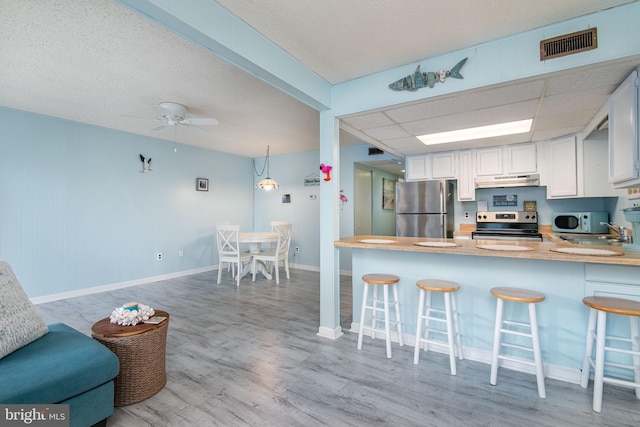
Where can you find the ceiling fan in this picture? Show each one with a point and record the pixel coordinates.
(174, 114)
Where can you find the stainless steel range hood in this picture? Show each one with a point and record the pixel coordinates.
(497, 181)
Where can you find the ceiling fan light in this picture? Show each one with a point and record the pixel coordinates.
(267, 184)
(481, 132)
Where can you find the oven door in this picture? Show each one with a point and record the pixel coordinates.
(506, 236)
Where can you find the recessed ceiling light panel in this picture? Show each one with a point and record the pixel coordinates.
(481, 132)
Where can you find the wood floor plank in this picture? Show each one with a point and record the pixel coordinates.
(251, 356)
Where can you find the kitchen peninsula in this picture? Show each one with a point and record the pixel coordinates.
(564, 278)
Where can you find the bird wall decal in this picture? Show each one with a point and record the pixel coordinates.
(146, 164)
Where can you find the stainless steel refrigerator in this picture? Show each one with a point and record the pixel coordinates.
(424, 209)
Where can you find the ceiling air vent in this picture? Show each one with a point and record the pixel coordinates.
(569, 44)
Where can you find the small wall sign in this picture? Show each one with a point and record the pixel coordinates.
(529, 205)
(506, 200)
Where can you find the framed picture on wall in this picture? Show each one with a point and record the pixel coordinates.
(388, 194)
(202, 184)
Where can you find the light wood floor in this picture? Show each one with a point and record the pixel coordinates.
(250, 356)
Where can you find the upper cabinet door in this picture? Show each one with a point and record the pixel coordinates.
(466, 175)
(489, 161)
(443, 165)
(624, 164)
(521, 158)
(562, 168)
(417, 167)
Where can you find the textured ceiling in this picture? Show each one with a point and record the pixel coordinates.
(98, 62)
(342, 40)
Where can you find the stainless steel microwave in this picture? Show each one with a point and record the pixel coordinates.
(580, 222)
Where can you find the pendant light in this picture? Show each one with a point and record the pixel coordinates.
(266, 183)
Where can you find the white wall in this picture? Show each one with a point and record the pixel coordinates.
(303, 212)
(76, 213)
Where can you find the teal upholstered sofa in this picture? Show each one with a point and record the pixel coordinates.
(62, 366)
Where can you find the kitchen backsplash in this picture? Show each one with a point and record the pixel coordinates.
(545, 207)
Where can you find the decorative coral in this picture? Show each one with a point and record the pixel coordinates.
(122, 316)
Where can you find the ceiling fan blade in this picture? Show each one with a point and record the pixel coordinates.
(157, 128)
(195, 129)
(201, 121)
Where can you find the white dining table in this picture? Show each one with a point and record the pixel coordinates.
(255, 239)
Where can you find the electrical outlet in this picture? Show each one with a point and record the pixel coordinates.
(159, 256)
(466, 214)
(297, 249)
(180, 252)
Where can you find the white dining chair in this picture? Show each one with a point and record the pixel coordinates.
(229, 264)
(229, 250)
(277, 254)
(275, 224)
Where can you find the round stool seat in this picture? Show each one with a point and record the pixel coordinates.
(435, 285)
(380, 279)
(613, 305)
(517, 295)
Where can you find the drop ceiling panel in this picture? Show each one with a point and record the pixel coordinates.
(568, 119)
(386, 132)
(557, 104)
(369, 120)
(591, 77)
(409, 145)
(548, 134)
(462, 102)
(499, 114)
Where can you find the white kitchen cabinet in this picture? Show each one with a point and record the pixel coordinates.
(466, 176)
(520, 158)
(417, 167)
(507, 159)
(595, 167)
(443, 165)
(561, 168)
(488, 161)
(624, 160)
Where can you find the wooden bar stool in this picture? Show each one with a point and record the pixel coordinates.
(519, 329)
(596, 330)
(376, 305)
(448, 317)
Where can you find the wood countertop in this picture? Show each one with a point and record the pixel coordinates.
(538, 250)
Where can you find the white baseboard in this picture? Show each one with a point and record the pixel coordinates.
(113, 286)
(333, 334)
(304, 267)
(556, 372)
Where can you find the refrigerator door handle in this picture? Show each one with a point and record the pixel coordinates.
(442, 207)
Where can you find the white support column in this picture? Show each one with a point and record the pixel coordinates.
(329, 228)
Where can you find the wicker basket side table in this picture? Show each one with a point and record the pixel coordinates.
(141, 350)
